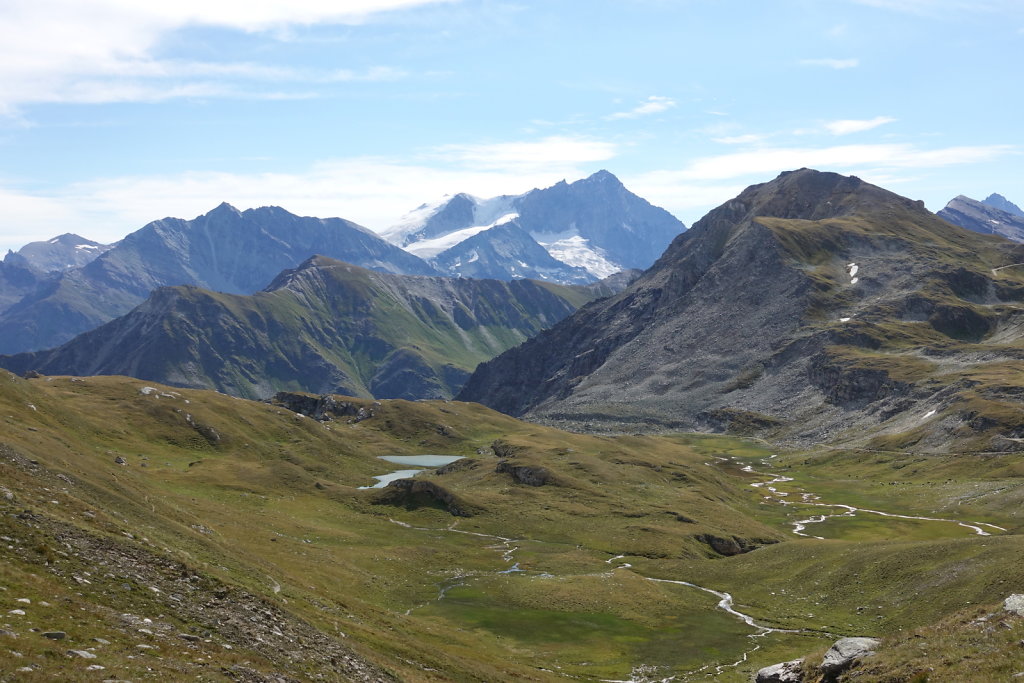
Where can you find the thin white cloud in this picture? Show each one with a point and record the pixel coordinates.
(832, 63)
(652, 105)
(536, 155)
(371, 191)
(747, 139)
(770, 160)
(49, 46)
(847, 126)
(943, 8)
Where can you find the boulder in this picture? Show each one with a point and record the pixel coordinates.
(785, 672)
(845, 653)
(1015, 604)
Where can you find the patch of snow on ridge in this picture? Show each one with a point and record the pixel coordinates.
(430, 248)
(575, 250)
(412, 221)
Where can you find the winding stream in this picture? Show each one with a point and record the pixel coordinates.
(810, 499)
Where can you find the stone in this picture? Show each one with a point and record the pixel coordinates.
(55, 635)
(9, 634)
(1015, 604)
(95, 667)
(844, 653)
(785, 672)
(189, 637)
(17, 612)
(120, 461)
(84, 654)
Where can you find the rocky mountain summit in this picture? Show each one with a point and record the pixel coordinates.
(813, 307)
(991, 217)
(326, 327)
(61, 253)
(589, 230)
(1000, 202)
(226, 250)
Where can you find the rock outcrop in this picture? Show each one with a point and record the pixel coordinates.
(844, 653)
(784, 672)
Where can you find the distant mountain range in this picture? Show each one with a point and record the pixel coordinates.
(325, 327)
(53, 290)
(226, 250)
(569, 233)
(815, 307)
(995, 216)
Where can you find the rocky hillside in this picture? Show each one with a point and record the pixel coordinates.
(590, 229)
(325, 326)
(984, 217)
(815, 307)
(225, 250)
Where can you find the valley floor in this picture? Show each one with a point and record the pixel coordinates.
(154, 533)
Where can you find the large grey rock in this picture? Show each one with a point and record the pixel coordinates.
(1015, 604)
(784, 672)
(845, 653)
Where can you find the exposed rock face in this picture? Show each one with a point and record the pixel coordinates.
(806, 306)
(525, 474)
(1015, 604)
(786, 672)
(1000, 202)
(326, 327)
(322, 408)
(985, 217)
(415, 493)
(506, 252)
(225, 250)
(844, 653)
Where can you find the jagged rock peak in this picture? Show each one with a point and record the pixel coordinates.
(1003, 204)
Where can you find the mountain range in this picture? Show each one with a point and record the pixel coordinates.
(815, 307)
(994, 216)
(226, 250)
(589, 230)
(325, 327)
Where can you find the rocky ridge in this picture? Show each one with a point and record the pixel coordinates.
(804, 308)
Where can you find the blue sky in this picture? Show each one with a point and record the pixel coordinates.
(113, 114)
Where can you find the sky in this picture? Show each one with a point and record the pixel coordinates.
(114, 113)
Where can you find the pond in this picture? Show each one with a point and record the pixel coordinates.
(423, 461)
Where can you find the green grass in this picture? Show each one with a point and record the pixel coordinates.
(271, 509)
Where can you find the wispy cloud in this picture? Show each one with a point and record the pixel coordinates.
(769, 160)
(943, 7)
(534, 155)
(373, 191)
(832, 63)
(652, 105)
(847, 126)
(747, 139)
(48, 48)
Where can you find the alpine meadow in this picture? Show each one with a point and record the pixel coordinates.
(625, 341)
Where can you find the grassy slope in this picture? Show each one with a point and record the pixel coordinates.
(260, 505)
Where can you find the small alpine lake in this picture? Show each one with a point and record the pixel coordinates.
(423, 462)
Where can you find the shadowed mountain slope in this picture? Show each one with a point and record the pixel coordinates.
(225, 250)
(816, 306)
(326, 326)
